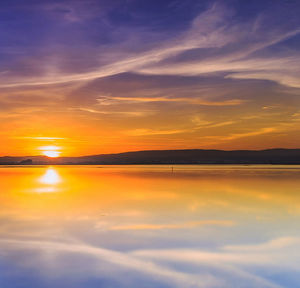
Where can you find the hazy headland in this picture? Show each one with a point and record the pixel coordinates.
(194, 156)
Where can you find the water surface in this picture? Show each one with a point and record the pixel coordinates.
(149, 226)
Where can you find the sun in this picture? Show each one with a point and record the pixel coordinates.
(51, 154)
(50, 151)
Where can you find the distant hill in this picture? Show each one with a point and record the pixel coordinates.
(195, 156)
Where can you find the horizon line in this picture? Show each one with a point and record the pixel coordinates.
(152, 150)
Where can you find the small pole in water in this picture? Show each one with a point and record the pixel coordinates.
(172, 169)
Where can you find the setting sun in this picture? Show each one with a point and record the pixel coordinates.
(50, 151)
(51, 154)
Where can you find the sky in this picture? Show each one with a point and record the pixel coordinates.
(101, 76)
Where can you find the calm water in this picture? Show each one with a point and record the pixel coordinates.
(144, 226)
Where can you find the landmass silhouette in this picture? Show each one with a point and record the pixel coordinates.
(188, 156)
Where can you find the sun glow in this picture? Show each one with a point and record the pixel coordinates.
(51, 154)
(51, 177)
(50, 151)
(49, 181)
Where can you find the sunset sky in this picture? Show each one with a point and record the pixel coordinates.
(84, 77)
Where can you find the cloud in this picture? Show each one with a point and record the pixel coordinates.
(271, 246)
(274, 257)
(276, 252)
(123, 260)
(142, 132)
(197, 101)
(232, 44)
(261, 131)
(224, 268)
(187, 225)
(40, 138)
(122, 113)
(283, 77)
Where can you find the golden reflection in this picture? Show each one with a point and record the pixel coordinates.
(141, 195)
(50, 180)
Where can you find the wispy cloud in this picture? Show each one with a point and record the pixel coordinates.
(270, 246)
(213, 29)
(124, 113)
(143, 131)
(249, 134)
(123, 260)
(278, 253)
(196, 101)
(223, 268)
(185, 225)
(40, 138)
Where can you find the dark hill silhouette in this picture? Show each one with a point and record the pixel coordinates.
(26, 162)
(191, 156)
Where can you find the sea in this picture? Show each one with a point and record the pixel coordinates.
(142, 226)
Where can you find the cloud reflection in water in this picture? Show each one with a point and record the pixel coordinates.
(197, 227)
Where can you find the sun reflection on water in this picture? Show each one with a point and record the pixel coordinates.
(50, 179)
